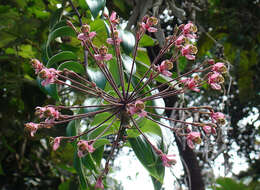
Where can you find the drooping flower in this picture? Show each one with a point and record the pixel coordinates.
(56, 143)
(189, 30)
(218, 118)
(219, 67)
(48, 76)
(167, 161)
(117, 39)
(103, 56)
(113, 19)
(137, 108)
(209, 129)
(189, 51)
(84, 147)
(49, 113)
(180, 40)
(215, 79)
(164, 68)
(99, 184)
(191, 83)
(37, 65)
(193, 137)
(32, 128)
(86, 34)
(148, 23)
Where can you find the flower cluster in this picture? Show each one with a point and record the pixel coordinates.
(129, 101)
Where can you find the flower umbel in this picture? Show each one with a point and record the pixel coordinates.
(128, 98)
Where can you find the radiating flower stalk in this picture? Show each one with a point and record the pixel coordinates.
(129, 102)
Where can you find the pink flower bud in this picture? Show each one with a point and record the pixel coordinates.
(84, 147)
(193, 137)
(219, 67)
(32, 128)
(167, 161)
(218, 117)
(99, 184)
(56, 143)
(37, 65)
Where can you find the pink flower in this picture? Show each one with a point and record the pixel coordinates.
(191, 83)
(49, 113)
(214, 80)
(211, 61)
(219, 67)
(56, 143)
(103, 56)
(37, 65)
(137, 108)
(189, 30)
(218, 117)
(113, 19)
(86, 36)
(84, 147)
(111, 41)
(147, 25)
(165, 67)
(48, 76)
(188, 51)
(167, 161)
(209, 129)
(193, 137)
(99, 184)
(32, 128)
(179, 41)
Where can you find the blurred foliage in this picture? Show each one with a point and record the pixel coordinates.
(26, 26)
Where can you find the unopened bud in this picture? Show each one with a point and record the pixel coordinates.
(169, 64)
(85, 28)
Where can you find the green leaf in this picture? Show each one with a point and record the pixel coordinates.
(98, 155)
(99, 27)
(95, 6)
(26, 51)
(146, 41)
(100, 142)
(128, 41)
(61, 56)
(182, 61)
(73, 66)
(95, 75)
(149, 159)
(228, 183)
(62, 31)
(147, 126)
(156, 184)
(127, 63)
(113, 68)
(50, 89)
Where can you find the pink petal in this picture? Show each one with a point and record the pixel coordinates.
(80, 154)
(113, 16)
(98, 57)
(82, 37)
(215, 86)
(56, 143)
(152, 29)
(190, 57)
(143, 114)
(92, 35)
(190, 143)
(108, 57)
(110, 41)
(167, 73)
